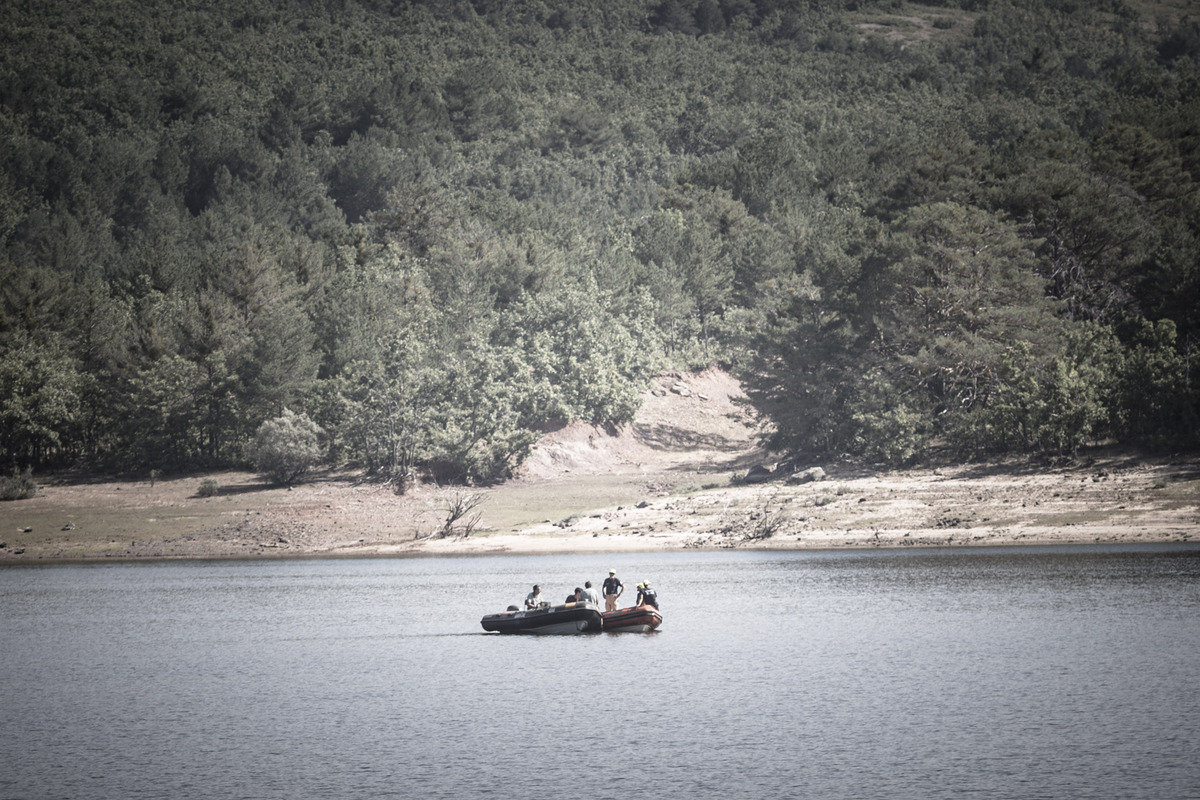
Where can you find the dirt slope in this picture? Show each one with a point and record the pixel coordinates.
(692, 422)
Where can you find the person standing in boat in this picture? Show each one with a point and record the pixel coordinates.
(590, 595)
(534, 598)
(612, 590)
(646, 596)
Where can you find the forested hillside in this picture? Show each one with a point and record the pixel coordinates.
(437, 228)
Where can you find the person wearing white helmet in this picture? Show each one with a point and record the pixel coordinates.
(646, 596)
(612, 589)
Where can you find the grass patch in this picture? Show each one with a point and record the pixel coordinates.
(518, 505)
(693, 488)
(916, 24)
(1070, 518)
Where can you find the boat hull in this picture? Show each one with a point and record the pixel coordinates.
(636, 619)
(570, 618)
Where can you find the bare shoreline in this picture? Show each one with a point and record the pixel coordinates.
(675, 479)
(1121, 502)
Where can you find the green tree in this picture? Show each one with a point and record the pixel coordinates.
(965, 294)
(163, 421)
(1052, 406)
(889, 424)
(383, 370)
(476, 433)
(569, 358)
(1156, 405)
(40, 404)
(687, 270)
(1095, 230)
(385, 410)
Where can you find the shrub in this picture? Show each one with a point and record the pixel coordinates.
(286, 447)
(18, 487)
(462, 507)
(896, 436)
(209, 488)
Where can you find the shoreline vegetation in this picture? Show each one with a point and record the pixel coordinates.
(675, 479)
(413, 236)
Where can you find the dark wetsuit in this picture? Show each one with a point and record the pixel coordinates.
(647, 597)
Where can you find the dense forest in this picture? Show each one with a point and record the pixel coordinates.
(423, 232)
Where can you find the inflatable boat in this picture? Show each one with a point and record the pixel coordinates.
(566, 618)
(635, 619)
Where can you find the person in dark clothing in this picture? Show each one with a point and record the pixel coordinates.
(646, 595)
(575, 596)
(612, 589)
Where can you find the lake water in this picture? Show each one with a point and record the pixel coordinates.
(996, 673)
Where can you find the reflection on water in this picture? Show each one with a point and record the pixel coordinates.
(1009, 673)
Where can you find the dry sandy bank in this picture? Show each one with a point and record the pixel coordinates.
(669, 481)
